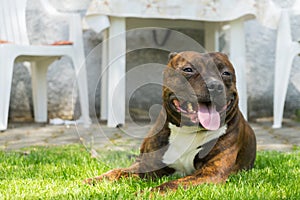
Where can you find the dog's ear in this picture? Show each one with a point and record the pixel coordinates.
(172, 55)
(216, 54)
(224, 54)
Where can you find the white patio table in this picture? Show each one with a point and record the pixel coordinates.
(114, 17)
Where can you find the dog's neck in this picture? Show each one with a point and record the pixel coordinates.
(185, 143)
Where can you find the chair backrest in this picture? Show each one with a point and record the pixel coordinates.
(13, 21)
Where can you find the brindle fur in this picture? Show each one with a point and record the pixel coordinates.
(234, 151)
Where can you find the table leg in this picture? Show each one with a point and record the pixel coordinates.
(116, 72)
(104, 77)
(211, 38)
(238, 58)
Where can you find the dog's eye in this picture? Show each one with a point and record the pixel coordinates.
(188, 69)
(226, 73)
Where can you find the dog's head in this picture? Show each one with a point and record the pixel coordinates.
(199, 89)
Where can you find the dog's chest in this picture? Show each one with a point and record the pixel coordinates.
(184, 144)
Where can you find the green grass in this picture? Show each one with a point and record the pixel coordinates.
(57, 173)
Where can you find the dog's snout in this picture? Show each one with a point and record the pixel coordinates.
(215, 87)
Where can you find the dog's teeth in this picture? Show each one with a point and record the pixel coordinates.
(176, 103)
(189, 107)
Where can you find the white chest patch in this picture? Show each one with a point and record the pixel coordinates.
(184, 143)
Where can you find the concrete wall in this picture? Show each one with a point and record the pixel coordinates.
(260, 53)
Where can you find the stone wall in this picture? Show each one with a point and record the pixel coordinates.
(260, 54)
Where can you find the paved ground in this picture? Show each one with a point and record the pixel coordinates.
(98, 136)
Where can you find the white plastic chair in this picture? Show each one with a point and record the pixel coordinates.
(286, 50)
(15, 47)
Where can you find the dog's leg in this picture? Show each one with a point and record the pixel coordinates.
(216, 170)
(137, 170)
(116, 174)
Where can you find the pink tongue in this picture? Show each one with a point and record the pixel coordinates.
(209, 117)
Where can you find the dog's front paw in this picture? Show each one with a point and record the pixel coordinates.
(168, 186)
(92, 181)
(110, 175)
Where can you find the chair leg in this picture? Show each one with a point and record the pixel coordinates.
(39, 89)
(282, 73)
(285, 52)
(6, 73)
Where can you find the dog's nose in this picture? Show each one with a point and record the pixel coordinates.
(215, 87)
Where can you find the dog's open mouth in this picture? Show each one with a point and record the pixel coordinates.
(207, 114)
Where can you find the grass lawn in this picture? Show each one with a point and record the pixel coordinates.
(57, 173)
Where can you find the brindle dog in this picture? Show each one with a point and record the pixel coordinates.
(200, 134)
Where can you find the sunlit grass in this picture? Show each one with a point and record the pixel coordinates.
(58, 172)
